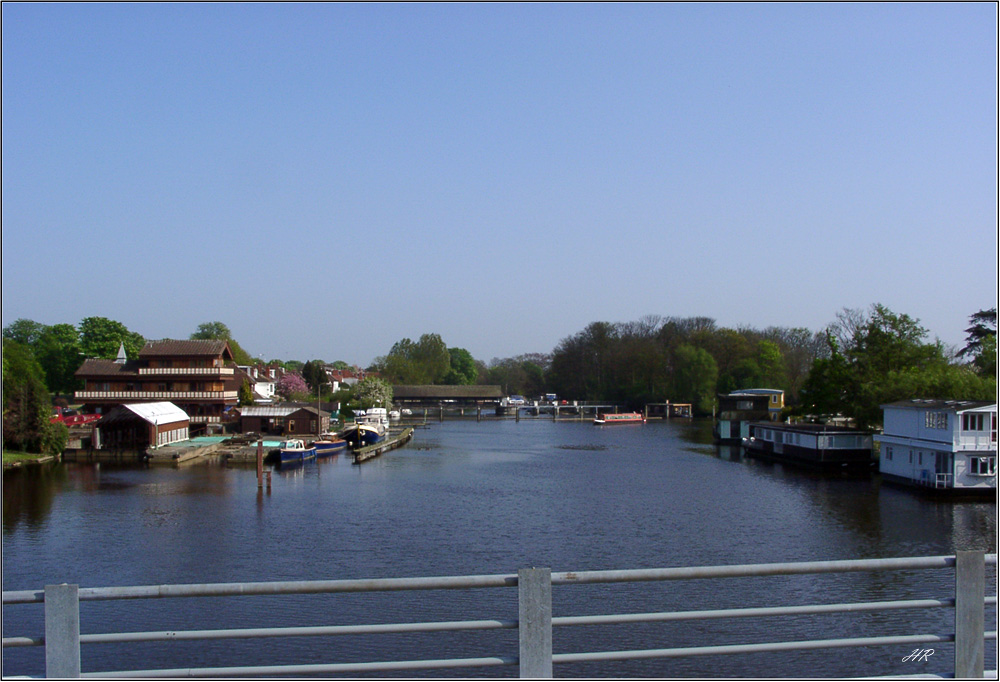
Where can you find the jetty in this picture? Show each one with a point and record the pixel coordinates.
(390, 443)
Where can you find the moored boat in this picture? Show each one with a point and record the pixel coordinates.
(328, 444)
(293, 451)
(622, 418)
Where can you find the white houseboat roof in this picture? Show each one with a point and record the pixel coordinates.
(810, 428)
(948, 405)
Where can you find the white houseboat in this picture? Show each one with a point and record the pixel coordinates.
(816, 446)
(944, 445)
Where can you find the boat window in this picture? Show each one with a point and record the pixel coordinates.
(972, 422)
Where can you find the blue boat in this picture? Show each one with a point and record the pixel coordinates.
(328, 444)
(294, 451)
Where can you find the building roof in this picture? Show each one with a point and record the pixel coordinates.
(275, 410)
(946, 405)
(158, 413)
(106, 368)
(804, 427)
(447, 392)
(189, 347)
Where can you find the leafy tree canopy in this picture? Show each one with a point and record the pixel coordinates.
(373, 392)
(463, 370)
(27, 404)
(101, 337)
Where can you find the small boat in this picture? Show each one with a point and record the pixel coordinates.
(328, 444)
(294, 451)
(623, 418)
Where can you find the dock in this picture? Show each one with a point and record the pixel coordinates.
(391, 443)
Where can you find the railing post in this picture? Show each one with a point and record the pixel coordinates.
(62, 631)
(970, 595)
(534, 621)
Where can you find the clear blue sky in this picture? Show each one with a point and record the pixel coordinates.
(329, 179)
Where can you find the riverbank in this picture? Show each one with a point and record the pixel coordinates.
(16, 459)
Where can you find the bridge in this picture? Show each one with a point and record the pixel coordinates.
(961, 626)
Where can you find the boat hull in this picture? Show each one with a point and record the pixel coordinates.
(325, 448)
(624, 418)
(296, 456)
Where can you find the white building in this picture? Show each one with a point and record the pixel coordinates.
(943, 444)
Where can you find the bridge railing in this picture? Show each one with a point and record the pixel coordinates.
(62, 638)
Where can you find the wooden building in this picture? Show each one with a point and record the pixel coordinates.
(195, 375)
(284, 420)
(435, 395)
(138, 427)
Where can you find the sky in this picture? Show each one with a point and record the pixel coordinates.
(328, 179)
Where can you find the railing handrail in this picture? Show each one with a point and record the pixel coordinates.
(62, 638)
(490, 580)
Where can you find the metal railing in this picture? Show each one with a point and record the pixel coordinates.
(62, 638)
(150, 395)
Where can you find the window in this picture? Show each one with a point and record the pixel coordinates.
(888, 453)
(973, 421)
(982, 466)
(744, 404)
(936, 420)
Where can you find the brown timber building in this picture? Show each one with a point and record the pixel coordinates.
(195, 375)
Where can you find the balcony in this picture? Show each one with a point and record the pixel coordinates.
(175, 371)
(172, 396)
(980, 441)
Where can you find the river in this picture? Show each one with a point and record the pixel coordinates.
(483, 498)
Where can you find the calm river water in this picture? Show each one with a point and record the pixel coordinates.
(485, 498)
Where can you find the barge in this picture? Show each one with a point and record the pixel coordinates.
(816, 446)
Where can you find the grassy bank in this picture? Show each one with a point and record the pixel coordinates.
(11, 458)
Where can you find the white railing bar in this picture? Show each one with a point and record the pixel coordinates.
(274, 588)
(251, 633)
(808, 609)
(749, 648)
(328, 630)
(311, 669)
(750, 570)
(501, 580)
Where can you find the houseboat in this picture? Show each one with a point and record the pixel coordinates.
(941, 446)
(739, 409)
(817, 446)
(623, 418)
(294, 451)
(369, 427)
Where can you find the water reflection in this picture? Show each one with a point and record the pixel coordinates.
(474, 498)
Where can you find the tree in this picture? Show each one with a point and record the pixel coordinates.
(291, 385)
(101, 337)
(981, 342)
(694, 377)
(58, 352)
(219, 331)
(373, 392)
(27, 404)
(246, 393)
(885, 359)
(425, 362)
(463, 370)
(25, 332)
(315, 376)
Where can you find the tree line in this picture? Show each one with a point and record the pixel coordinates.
(863, 359)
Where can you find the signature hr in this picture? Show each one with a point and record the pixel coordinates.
(919, 655)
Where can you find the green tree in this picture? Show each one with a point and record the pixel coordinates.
(27, 404)
(25, 332)
(58, 352)
(246, 393)
(695, 377)
(462, 368)
(101, 337)
(425, 362)
(880, 358)
(219, 331)
(315, 376)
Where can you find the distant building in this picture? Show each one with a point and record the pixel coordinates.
(941, 444)
(198, 376)
(284, 420)
(739, 409)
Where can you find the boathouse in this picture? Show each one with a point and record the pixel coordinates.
(136, 428)
(434, 395)
(739, 409)
(946, 445)
(284, 420)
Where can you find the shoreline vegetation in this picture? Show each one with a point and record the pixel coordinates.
(864, 359)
